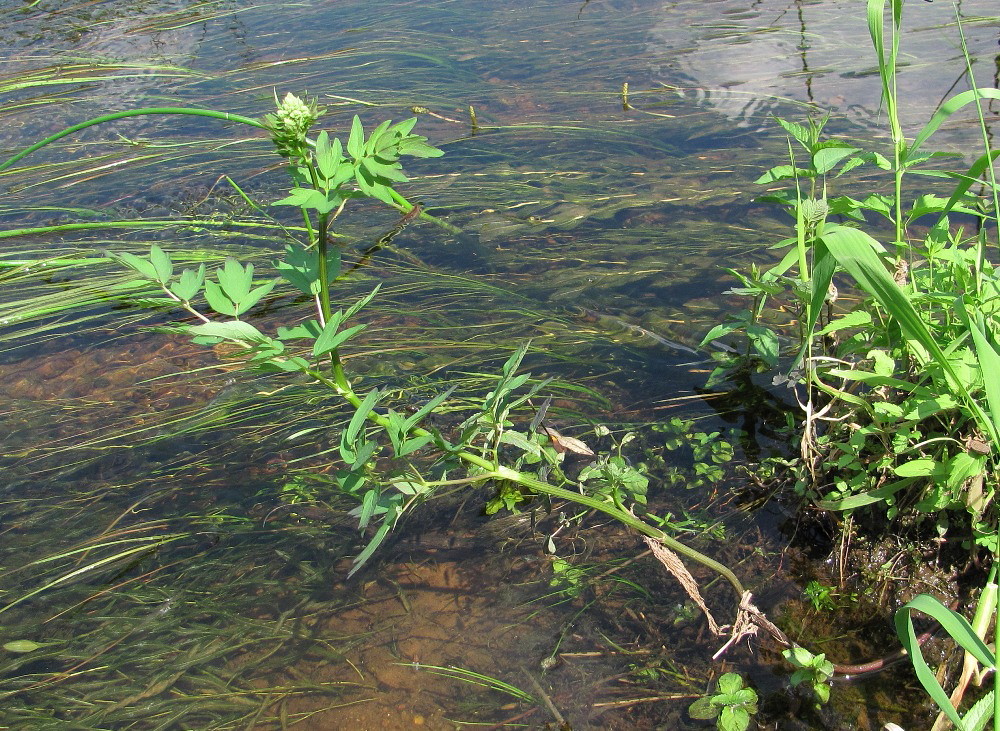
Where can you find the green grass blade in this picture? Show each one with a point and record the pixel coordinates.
(944, 112)
(958, 629)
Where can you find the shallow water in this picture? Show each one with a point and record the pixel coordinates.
(212, 603)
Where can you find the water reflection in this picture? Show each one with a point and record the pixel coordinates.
(746, 60)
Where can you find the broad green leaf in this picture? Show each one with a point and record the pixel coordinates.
(804, 135)
(372, 186)
(828, 158)
(765, 343)
(356, 141)
(299, 268)
(22, 646)
(378, 140)
(962, 466)
(518, 440)
(379, 169)
(254, 296)
(931, 406)
(161, 263)
(783, 172)
(235, 330)
(308, 329)
(703, 709)
(138, 264)
(328, 157)
(921, 467)
(410, 488)
(307, 198)
(403, 129)
(189, 284)
(218, 300)
(235, 279)
(733, 718)
(416, 146)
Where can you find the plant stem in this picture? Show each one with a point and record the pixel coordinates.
(544, 488)
(189, 111)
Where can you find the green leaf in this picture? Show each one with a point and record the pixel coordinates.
(331, 338)
(703, 709)
(733, 718)
(189, 284)
(855, 251)
(852, 320)
(356, 307)
(388, 523)
(368, 505)
(161, 264)
(783, 172)
(960, 631)
(409, 446)
(235, 279)
(138, 264)
(349, 437)
(989, 362)
(256, 295)
(21, 647)
(388, 171)
(235, 330)
(980, 714)
(218, 300)
(944, 112)
(427, 408)
(730, 683)
(328, 157)
(518, 440)
(828, 158)
(416, 146)
(372, 186)
(312, 199)
(378, 141)
(308, 329)
(299, 268)
(356, 141)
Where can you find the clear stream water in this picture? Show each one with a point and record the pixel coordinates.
(145, 544)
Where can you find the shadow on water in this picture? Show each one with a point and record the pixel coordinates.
(166, 564)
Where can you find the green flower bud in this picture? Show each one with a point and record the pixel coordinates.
(290, 124)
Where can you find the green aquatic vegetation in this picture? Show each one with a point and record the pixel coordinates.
(327, 174)
(826, 598)
(732, 705)
(812, 670)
